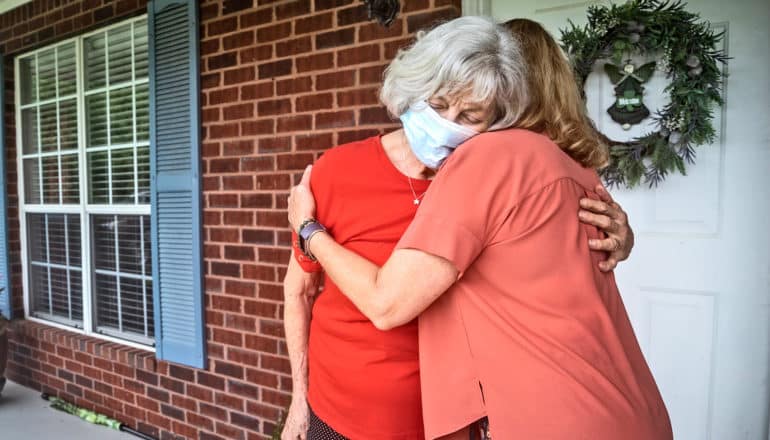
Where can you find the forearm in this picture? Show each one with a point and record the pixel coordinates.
(390, 295)
(296, 318)
(353, 274)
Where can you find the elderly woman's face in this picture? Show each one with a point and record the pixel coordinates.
(474, 115)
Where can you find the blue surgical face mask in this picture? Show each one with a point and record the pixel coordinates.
(431, 137)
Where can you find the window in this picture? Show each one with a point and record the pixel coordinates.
(83, 142)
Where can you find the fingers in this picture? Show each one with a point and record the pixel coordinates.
(608, 265)
(610, 244)
(306, 176)
(603, 194)
(600, 221)
(596, 206)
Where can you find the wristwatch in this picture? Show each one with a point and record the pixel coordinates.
(306, 231)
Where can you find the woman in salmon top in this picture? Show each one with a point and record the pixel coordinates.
(530, 332)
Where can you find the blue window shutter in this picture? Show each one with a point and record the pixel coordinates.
(5, 267)
(176, 188)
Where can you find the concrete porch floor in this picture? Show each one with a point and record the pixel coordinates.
(24, 415)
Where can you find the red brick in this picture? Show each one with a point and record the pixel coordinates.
(245, 421)
(226, 303)
(373, 74)
(260, 16)
(257, 91)
(225, 269)
(329, 4)
(200, 421)
(237, 183)
(238, 111)
(342, 37)
(357, 55)
(315, 102)
(261, 343)
(313, 23)
(276, 68)
(243, 253)
(258, 127)
(415, 5)
(209, 47)
(260, 308)
(237, 148)
(429, 19)
(344, 118)
(210, 115)
(218, 131)
(315, 62)
(258, 236)
(275, 363)
(259, 163)
(229, 165)
(355, 14)
(228, 337)
(344, 137)
(336, 80)
(209, 380)
(392, 47)
(275, 144)
(223, 200)
(295, 123)
(375, 31)
(240, 288)
(237, 76)
(357, 97)
(294, 47)
(272, 292)
(241, 39)
(294, 85)
(239, 322)
(243, 218)
(294, 161)
(374, 115)
(314, 142)
(274, 255)
(184, 402)
(274, 32)
(222, 26)
(228, 401)
(273, 181)
(274, 107)
(231, 6)
(256, 53)
(260, 273)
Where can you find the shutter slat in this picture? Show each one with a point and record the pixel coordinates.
(175, 176)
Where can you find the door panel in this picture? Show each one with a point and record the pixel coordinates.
(697, 286)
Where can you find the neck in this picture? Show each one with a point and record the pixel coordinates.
(401, 156)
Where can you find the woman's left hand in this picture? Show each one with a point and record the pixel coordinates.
(301, 201)
(607, 215)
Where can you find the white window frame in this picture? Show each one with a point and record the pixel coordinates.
(84, 209)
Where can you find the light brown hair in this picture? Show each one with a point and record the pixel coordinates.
(556, 107)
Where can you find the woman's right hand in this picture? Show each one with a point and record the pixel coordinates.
(297, 420)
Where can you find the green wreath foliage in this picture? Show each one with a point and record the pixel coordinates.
(686, 48)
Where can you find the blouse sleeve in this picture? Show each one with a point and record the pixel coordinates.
(465, 205)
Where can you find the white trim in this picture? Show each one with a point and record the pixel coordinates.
(83, 209)
(477, 7)
(127, 342)
(7, 5)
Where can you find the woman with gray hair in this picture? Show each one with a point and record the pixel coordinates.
(460, 79)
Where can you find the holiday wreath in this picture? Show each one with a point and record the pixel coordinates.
(686, 50)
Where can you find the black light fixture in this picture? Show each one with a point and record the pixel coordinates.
(384, 11)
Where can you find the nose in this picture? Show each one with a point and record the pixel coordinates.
(451, 113)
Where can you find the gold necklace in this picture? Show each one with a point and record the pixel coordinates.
(415, 197)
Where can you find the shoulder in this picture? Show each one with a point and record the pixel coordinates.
(508, 143)
(350, 153)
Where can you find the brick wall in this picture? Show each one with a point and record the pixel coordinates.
(281, 82)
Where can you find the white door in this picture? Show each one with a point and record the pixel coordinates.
(697, 285)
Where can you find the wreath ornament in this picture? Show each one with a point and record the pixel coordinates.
(685, 48)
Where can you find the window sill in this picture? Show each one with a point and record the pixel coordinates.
(143, 359)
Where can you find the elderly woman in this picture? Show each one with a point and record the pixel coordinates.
(462, 78)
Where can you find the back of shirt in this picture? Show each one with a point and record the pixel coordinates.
(549, 344)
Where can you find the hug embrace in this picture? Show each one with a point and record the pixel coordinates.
(466, 260)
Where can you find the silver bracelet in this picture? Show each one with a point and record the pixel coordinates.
(307, 242)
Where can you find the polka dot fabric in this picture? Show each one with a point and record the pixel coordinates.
(318, 430)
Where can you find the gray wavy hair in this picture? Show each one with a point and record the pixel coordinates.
(468, 57)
